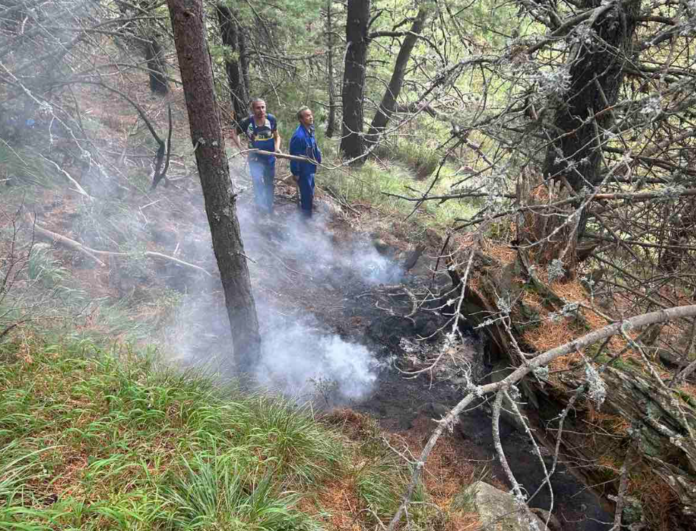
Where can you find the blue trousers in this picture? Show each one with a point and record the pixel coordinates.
(263, 178)
(306, 183)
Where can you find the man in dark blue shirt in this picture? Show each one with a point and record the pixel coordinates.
(261, 130)
(304, 144)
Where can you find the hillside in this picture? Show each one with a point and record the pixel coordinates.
(496, 288)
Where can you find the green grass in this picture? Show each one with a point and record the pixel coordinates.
(98, 439)
(371, 183)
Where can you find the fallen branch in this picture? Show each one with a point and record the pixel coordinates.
(69, 177)
(541, 360)
(277, 155)
(92, 253)
(65, 241)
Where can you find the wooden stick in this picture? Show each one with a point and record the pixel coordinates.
(93, 252)
(277, 154)
(65, 241)
(69, 177)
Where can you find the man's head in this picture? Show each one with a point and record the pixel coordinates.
(305, 116)
(258, 107)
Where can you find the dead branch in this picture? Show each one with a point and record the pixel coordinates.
(93, 252)
(158, 176)
(69, 177)
(539, 361)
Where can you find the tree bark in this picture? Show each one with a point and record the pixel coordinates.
(352, 141)
(596, 74)
(188, 25)
(244, 63)
(331, 125)
(230, 33)
(156, 68)
(388, 105)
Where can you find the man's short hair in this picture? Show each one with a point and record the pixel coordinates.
(302, 109)
(257, 100)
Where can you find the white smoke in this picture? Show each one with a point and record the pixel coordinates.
(300, 360)
(301, 356)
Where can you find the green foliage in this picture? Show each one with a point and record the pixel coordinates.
(422, 159)
(229, 492)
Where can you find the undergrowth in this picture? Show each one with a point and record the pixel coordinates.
(379, 185)
(111, 439)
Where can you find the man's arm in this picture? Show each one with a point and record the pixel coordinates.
(276, 137)
(235, 139)
(297, 146)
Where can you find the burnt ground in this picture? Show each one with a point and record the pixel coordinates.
(379, 312)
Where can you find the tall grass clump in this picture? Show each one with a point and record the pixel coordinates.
(98, 439)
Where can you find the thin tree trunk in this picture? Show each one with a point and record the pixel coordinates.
(244, 65)
(188, 25)
(331, 125)
(156, 68)
(352, 141)
(388, 104)
(229, 31)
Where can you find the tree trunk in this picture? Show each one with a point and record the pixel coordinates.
(188, 25)
(331, 125)
(596, 74)
(388, 104)
(352, 141)
(156, 68)
(229, 31)
(244, 64)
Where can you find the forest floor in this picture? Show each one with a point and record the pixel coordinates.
(341, 317)
(396, 314)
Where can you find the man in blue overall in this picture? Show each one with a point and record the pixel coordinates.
(304, 144)
(261, 130)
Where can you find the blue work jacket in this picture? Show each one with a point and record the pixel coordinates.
(304, 144)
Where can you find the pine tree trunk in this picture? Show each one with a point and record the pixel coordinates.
(596, 74)
(156, 68)
(388, 104)
(352, 141)
(331, 125)
(244, 64)
(229, 31)
(220, 199)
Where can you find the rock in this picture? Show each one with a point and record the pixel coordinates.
(497, 510)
